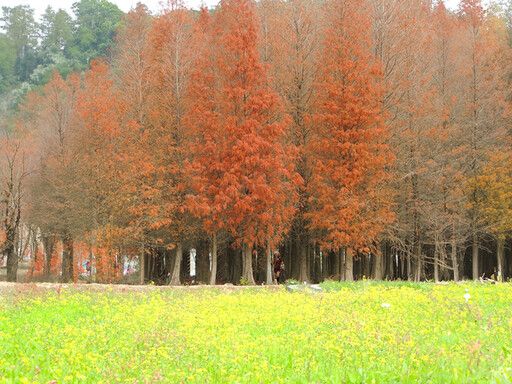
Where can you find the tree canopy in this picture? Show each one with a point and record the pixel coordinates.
(357, 138)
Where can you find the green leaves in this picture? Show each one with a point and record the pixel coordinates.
(95, 25)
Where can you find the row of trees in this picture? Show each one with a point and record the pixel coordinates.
(358, 137)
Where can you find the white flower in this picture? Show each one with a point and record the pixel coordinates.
(467, 296)
(386, 305)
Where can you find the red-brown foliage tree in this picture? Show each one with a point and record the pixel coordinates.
(348, 159)
(253, 189)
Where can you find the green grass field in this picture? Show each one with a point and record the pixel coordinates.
(352, 333)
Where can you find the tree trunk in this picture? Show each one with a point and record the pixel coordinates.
(303, 253)
(151, 264)
(34, 255)
(185, 265)
(390, 257)
(316, 276)
(48, 244)
(444, 271)
(310, 263)
(234, 262)
(11, 225)
(402, 275)
(500, 253)
(142, 262)
(175, 278)
(436, 261)
(292, 268)
(417, 272)
(91, 266)
(336, 261)
(366, 265)
(475, 256)
(349, 264)
(377, 264)
(409, 266)
(67, 258)
(325, 264)
(269, 265)
(202, 261)
(455, 262)
(213, 274)
(12, 261)
(247, 274)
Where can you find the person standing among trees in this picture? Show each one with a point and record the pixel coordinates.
(278, 264)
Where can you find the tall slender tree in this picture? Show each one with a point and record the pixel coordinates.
(97, 149)
(348, 157)
(485, 91)
(133, 85)
(172, 55)
(52, 197)
(290, 39)
(258, 178)
(208, 144)
(12, 176)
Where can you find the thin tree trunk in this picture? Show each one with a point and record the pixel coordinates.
(417, 273)
(377, 264)
(142, 262)
(121, 262)
(349, 264)
(23, 249)
(475, 256)
(213, 274)
(67, 258)
(455, 262)
(33, 253)
(316, 276)
(402, 275)
(247, 264)
(269, 265)
(436, 260)
(12, 263)
(336, 261)
(289, 261)
(366, 265)
(10, 242)
(310, 264)
(152, 264)
(303, 271)
(390, 257)
(91, 267)
(325, 265)
(175, 278)
(48, 244)
(500, 253)
(237, 269)
(202, 262)
(409, 266)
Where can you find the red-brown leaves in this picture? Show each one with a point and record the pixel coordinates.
(348, 159)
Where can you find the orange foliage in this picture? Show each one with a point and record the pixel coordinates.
(267, 117)
(348, 158)
(257, 182)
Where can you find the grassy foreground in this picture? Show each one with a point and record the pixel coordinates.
(356, 333)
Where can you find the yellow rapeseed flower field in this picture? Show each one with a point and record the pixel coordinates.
(352, 333)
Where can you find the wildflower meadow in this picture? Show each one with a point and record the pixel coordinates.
(361, 332)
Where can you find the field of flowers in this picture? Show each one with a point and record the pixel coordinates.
(356, 333)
